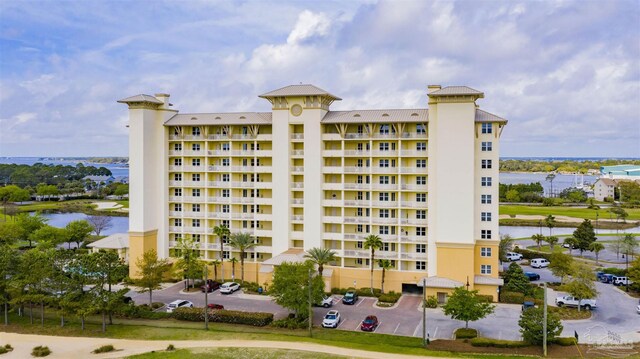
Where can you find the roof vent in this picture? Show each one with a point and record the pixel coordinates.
(243, 118)
(218, 118)
(385, 115)
(356, 115)
(414, 115)
(193, 118)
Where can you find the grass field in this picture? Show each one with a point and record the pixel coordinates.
(634, 213)
(235, 353)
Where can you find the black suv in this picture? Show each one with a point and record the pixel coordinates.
(350, 297)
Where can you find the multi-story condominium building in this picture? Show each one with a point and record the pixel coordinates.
(302, 176)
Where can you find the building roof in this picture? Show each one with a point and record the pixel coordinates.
(294, 255)
(621, 170)
(607, 181)
(357, 116)
(456, 91)
(114, 241)
(484, 116)
(140, 99)
(439, 282)
(481, 279)
(98, 178)
(231, 118)
(299, 90)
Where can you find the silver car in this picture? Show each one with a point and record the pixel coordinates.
(331, 319)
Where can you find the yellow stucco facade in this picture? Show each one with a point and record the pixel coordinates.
(139, 243)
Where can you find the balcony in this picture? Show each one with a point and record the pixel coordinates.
(413, 204)
(192, 214)
(357, 219)
(331, 137)
(194, 199)
(385, 204)
(297, 217)
(297, 169)
(219, 199)
(421, 135)
(297, 201)
(175, 168)
(194, 229)
(357, 203)
(175, 153)
(414, 153)
(332, 186)
(384, 169)
(333, 235)
(175, 198)
(260, 169)
(409, 170)
(297, 235)
(354, 169)
(355, 136)
(332, 203)
(420, 256)
(390, 153)
(414, 222)
(332, 153)
(193, 137)
(297, 136)
(332, 219)
(367, 254)
(357, 153)
(193, 168)
(386, 187)
(413, 239)
(297, 153)
(175, 183)
(379, 220)
(177, 229)
(357, 186)
(241, 153)
(297, 185)
(414, 187)
(251, 216)
(193, 153)
(193, 183)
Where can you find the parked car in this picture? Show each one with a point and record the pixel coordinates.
(127, 300)
(607, 278)
(539, 263)
(527, 305)
(638, 309)
(571, 301)
(229, 287)
(180, 303)
(513, 256)
(621, 281)
(369, 324)
(599, 276)
(350, 297)
(325, 302)
(210, 286)
(532, 276)
(215, 306)
(331, 319)
(567, 245)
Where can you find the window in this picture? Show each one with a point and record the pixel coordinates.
(195, 192)
(195, 177)
(384, 229)
(359, 261)
(225, 193)
(384, 129)
(195, 131)
(225, 223)
(421, 163)
(224, 147)
(195, 223)
(383, 196)
(420, 265)
(177, 177)
(487, 146)
(225, 208)
(485, 252)
(196, 237)
(421, 248)
(359, 245)
(487, 128)
(485, 234)
(195, 147)
(195, 207)
(421, 231)
(421, 214)
(421, 197)
(177, 192)
(485, 199)
(384, 213)
(195, 162)
(420, 129)
(421, 180)
(177, 236)
(177, 147)
(225, 162)
(384, 163)
(485, 216)
(225, 177)
(177, 207)
(486, 164)
(384, 179)
(177, 222)
(485, 181)
(421, 146)
(177, 161)
(485, 269)
(226, 255)
(384, 146)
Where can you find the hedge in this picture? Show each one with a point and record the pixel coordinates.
(466, 333)
(485, 298)
(529, 254)
(620, 272)
(141, 312)
(362, 292)
(496, 343)
(511, 297)
(431, 302)
(564, 341)
(391, 297)
(290, 323)
(256, 319)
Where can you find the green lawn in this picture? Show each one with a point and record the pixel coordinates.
(235, 353)
(634, 213)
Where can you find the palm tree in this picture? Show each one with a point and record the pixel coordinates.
(372, 242)
(233, 261)
(552, 240)
(385, 264)
(242, 242)
(550, 177)
(321, 256)
(596, 247)
(222, 232)
(215, 263)
(550, 222)
(571, 242)
(538, 238)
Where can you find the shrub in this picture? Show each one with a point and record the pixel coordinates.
(431, 302)
(496, 343)
(485, 298)
(391, 297)
(564, 341)
(104, 349)
(291, 323)
(141, 311)
(256, 319)
(40, 351)
(529, 254)
(157, 305)
(466, 333)
(3, 350)
(620, 272)
(366, 292)
(512, 297)
(171, 348)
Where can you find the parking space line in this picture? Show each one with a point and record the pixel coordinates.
(358, 326)
(435, 333)
(339, 324)
(415, 332)
(360, 302)
(397, 326)
(379, 324)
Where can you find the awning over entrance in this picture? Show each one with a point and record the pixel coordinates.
(292, 256)
(484, 280)
(439, 282)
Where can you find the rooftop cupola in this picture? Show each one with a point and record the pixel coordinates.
(312, 97)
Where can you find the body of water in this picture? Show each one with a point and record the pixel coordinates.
(60, 220)
(560, 182)
(116, 169)
(525, 231)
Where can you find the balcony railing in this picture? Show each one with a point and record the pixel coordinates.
(297, 136)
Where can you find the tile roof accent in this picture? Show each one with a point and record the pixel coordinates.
(607, 181)
(291, 256)
(481, 279)
(233, 118)
(440, 282)
(357, 116)
(114, 241)
(141, 98)
(456, 91)
(484, 116)
(299, 90)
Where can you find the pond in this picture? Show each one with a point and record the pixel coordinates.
(118, 224)
(527, 231)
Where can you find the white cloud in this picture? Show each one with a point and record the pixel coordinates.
(309, 25)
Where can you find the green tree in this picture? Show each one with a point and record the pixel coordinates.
(46, 190)
(151, 270)
(560, 264)
(531, 325)
(550, 222)
(552, 240)
(634, 274)
(233, 262)
(8, 266)
(290, 287)
(617, 245)
(12, 193)
(107, 268)
(242, 242)
(515, 280)
(596, 247)
(585, 235)
(538, 238)
(571, 243)
(30, 224)
(372, 242)
(619, 212)
(512, 196)
(78, 231)
(189, 262)
(321, 256)
(121, 189)
(582, 283)
(33, 278)
(506, 242)
(10, 233)
(215, 263)
(467, 306)
(49, 236)
(223, 234)
(629, 245)
(385, 264)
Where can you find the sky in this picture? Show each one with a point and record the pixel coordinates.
(566, 74)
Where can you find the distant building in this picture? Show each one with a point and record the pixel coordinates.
(620, 172)
(104, 180)
(121, 179)
(605, 187)
(117, 242)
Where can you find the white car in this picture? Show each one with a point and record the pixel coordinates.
(331, 319)
(229, 287)
(325, 302)
(621, 281)
(539, 263)
(513, 256)
(571, 301)
(638, 309)
(178, 304)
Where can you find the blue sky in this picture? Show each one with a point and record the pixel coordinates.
(565, 73)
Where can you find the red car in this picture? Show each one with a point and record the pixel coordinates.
(210, 286)
(370, 323)
(215, 306)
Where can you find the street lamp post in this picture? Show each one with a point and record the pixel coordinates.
(206, 298)
(310, 310)
(424, 312)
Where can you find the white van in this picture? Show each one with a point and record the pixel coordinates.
(539, 263)
(621, 281)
